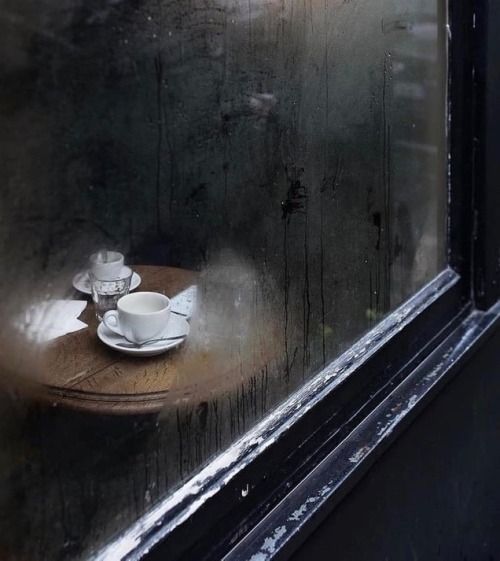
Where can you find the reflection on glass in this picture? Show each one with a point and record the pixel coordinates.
(277, 169)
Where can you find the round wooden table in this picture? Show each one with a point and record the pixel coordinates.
(80, 372)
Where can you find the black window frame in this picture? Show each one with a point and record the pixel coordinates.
(326, 436)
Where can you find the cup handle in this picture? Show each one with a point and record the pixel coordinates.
(110, 320)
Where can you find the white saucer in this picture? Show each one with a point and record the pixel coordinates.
(81, 282)
(177, 326)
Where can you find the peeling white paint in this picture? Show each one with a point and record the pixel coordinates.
(269, 544)
(359, 455)
(388, 428)
(325, 490)
(312, 500)
(297, 514)
(258, 557)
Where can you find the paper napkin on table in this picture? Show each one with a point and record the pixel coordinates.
(51, 319)
(184, 303)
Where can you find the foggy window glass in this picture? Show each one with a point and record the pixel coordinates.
(277, 168)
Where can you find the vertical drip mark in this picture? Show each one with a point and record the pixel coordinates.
(326, 68)
(63, 504)
(166, 460)
(283, 21)
(295, 203)
(135, 494)
(231, 417)
(322, 279)
(180, 439)
(286, 281)
(163, 115)
(370, 298)
(215, 409)
(306, 297)
(197, 447)
(207, 434)
(250, 24)
(158, 470)
(253, 393)
(384, 169)
(263, 389)
(159, 143)
(238, 410)
(224, 38)
(386, 173)
(146, 465)
(188, 425)
(225, 167)
(388, 229)
(243, 409)
(377, 291)
(172, 163)
(321, 218)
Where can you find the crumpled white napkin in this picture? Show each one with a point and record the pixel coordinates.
(51, 319)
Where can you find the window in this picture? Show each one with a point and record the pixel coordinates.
(287, 160)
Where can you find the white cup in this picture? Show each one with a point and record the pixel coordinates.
(106, 265)
(139, 317)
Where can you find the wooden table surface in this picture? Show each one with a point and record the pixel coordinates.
(80, 372)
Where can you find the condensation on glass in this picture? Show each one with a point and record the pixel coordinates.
(292, 154)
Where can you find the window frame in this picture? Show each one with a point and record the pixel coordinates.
(240, 497)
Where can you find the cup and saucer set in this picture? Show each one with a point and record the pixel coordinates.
(143, 325)
(105, 265)
(138, 324)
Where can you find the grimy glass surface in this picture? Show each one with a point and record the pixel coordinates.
(290, 152)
